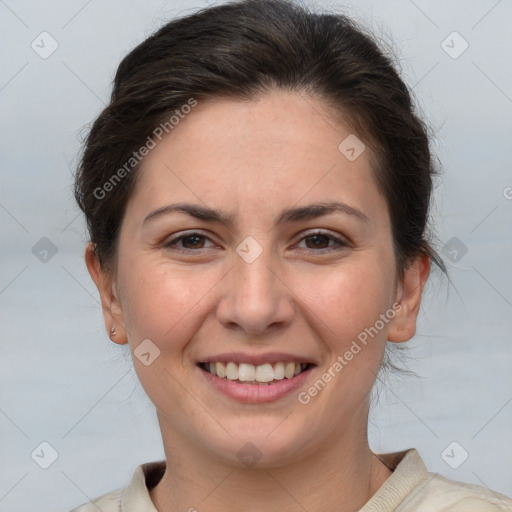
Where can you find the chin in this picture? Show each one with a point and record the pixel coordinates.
(260, 447)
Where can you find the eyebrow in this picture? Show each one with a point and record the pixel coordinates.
(291, 215)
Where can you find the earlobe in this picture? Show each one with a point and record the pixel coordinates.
(403, 326)
(110, 304)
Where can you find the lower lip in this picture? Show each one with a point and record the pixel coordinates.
(255, 393)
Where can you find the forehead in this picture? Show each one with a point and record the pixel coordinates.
(277, 148)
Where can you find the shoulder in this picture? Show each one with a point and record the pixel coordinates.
(412, 488)
(439, 493)
(133, 497)
(110, 502)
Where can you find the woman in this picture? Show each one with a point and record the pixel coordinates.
(257, 195)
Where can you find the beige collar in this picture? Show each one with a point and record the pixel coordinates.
(407, 466)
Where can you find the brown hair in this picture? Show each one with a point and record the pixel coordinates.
(240, 49)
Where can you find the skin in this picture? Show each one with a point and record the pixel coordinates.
(253, 159)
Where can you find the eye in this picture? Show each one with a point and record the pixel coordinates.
(320, 240)
(189, 242)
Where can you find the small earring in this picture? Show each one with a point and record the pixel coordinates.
(113, 331)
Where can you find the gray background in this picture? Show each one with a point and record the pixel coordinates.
(63, 382)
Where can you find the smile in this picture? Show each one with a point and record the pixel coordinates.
(255, 383)
(246, 373)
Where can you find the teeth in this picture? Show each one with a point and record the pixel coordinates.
(232, 371)
(289, 370)
(246, 372)
(220, 370)
(263, 374)
(279, 371)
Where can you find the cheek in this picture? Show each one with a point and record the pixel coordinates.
(159, 304)
(348, 301)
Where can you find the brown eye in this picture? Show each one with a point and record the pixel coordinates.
(188, 242)
(324, 242)
(318, 241)
(193, 241)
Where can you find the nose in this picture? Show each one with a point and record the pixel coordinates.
(255, 298)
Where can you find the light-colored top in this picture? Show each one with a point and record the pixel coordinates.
(411, 488)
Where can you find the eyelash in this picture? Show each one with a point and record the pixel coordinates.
(341, 244)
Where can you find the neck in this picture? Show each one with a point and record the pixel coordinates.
(342, 475)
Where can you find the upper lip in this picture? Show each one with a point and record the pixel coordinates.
(256, 359)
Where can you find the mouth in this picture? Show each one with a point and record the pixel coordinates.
(245, 373)
(255, 383)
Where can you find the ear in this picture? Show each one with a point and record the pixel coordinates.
(409, 291)
(112, 309)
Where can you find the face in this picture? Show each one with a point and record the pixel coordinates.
(252, 274)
